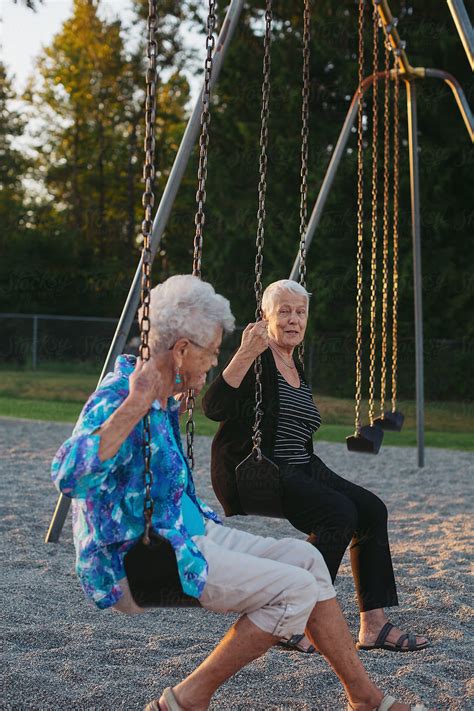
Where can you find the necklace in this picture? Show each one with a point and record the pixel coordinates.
(291, 366)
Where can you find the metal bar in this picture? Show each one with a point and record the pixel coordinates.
(390, 24)
(332, 169)
(459, 95)
(34, 345)
(464, 28)
(51, 317)
(159, 224)
(417, 278)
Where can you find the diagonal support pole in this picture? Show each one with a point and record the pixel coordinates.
(159, 224)
(464, 28)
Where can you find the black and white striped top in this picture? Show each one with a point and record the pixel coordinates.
(298, 419)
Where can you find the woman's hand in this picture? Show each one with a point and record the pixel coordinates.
(146, 384)
(254, 339)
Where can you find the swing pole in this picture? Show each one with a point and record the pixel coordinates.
(417, 277)
(159, 224)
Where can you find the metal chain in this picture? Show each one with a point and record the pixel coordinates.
(373, 270)
(360, 220)
(201, 197)
(386, 181)
(148, 200)
(262, 189)
(396, 163)
(304, 152)
(204, 139)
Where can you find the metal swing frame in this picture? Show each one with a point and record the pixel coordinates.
(409, 75)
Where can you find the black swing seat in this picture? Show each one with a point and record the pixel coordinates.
(259, 486)
(368, 440)
(152, 574)
(391, 421)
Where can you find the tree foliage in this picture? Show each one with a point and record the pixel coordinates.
(88, 99)
(30, 4)
(13, 163)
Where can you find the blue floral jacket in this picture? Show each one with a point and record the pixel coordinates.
(108, 496)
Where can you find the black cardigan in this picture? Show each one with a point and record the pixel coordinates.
(234, 408)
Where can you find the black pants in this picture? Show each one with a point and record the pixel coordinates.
(334, 512)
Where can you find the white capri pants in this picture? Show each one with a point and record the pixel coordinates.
(275, 583)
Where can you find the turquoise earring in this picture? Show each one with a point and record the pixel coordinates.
(177, 378)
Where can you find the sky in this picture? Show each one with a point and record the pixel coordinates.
(23, 33)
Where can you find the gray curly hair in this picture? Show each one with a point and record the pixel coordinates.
(183, 306)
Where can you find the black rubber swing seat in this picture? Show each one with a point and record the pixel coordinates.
(391, 421)
(368, 440)
(152, 574)
(259, 486)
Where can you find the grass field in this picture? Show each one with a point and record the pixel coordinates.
(59, 396)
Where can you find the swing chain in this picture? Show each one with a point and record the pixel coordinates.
(304, 153)
(201, 198)
(204, 139)
(262, 189)
(360, 219)
(148, 200)
(373, 279)
(396, 159)
(386, 181)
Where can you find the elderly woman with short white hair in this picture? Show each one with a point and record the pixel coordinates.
(331, 510)
(279, 587)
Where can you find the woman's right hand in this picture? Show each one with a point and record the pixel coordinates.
(254, 339)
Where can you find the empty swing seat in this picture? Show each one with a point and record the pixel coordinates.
(368, 440)
(391, 421)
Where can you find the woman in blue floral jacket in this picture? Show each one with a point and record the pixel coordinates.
(282, 588)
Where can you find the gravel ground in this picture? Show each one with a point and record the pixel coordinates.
(60, 652)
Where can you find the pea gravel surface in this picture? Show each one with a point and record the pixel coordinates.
(59, 652)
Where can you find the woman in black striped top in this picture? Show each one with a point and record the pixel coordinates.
(331, 510)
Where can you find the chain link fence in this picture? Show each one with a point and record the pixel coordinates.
(35, 341)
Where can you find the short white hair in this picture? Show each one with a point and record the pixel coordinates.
(183, 306)
(274, 291)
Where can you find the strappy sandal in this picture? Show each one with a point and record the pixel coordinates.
(293, 643)
(387, 703)
(381, 642)
(170, 699)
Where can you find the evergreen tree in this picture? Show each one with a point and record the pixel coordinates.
(89, 94)
(13, 163)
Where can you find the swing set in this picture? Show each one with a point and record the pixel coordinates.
(166, 590)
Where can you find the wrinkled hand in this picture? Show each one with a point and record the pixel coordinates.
(146, 384)
(255, 338)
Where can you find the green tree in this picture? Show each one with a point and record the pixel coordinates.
(13, 163)
(88, 96)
